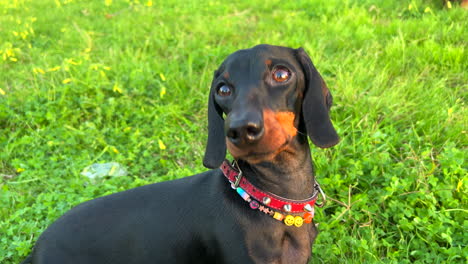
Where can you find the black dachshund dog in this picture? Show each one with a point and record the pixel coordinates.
(263, 104)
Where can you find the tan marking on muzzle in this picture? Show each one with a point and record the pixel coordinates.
(286, 121)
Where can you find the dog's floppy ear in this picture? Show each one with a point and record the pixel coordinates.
(316, 104)
(216, 146)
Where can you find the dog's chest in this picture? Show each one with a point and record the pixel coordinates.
(284, 245)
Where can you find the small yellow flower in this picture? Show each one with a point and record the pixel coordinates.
(66, 81)
(163, 92)
(10, 52)
(24, 34)
(149, 3)
(427, 10)
(116, 88)
(115, 150)
(71, 61)
(2, 92)
(450, 111)
(38, 70)
(108, 2)
(56, 68)
(162, 77)
(449, 5)
(19, 170)
(161, 145)
(459, 185)
(13, 59)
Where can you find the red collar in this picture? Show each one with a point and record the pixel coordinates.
(262, 200)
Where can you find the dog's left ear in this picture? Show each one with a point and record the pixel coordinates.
(216, 146)
(316, 104)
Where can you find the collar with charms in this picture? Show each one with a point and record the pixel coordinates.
(276, 206)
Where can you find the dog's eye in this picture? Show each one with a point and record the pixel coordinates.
(281, 74)
(224, 90)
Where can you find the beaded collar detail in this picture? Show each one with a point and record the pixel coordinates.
(276, 206)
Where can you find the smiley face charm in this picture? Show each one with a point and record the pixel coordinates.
(289, 220)
(298, 221)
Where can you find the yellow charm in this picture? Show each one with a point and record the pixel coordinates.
(278, 216)
(289, 220)
(298, 221)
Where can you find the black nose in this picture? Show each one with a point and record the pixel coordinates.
(244, 128)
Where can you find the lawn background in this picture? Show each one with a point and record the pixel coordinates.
(85, 82)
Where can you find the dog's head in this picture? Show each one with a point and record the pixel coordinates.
(268, 95)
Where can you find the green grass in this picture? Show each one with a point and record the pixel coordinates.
(83, 82)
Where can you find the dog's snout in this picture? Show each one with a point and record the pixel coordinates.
(244, 129)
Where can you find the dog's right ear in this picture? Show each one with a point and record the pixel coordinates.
(216, 146)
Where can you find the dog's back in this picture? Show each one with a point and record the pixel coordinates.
(165, 222)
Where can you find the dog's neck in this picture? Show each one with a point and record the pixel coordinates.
(289, 175)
